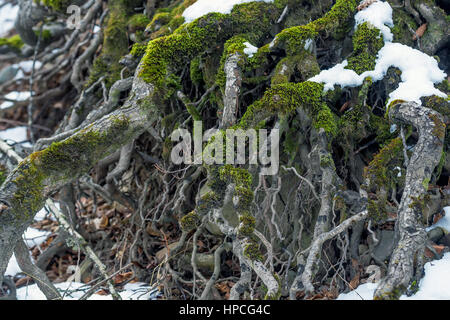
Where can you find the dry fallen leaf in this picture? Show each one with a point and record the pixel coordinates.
(102, 292)
(420, 31)
(344, 106)
(438, 248)
(354, 283)
(121, 277)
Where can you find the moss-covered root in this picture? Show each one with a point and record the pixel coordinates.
(304, 63)
(172, 52)
(367, 41)
(115, 46)
(334, 22)
(245, 251)
(424, 160)
(14, 43)
(286, 98)
(25, 189)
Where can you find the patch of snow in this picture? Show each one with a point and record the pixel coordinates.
(8, 14)
(419, 71)
(250, 49)
(435, 285)
(34, 237)
(27, 67)
(14, 95)
(13, 267)
(44, 214)
(203, 7)
(16, 134)
(444, 222)
(379, 14)
(308, 44)
(362, 292)
(75, 290)
(393, 128)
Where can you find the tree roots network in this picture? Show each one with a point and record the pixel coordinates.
(359, 177)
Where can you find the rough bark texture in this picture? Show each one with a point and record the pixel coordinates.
(412, 233)
(105, 104)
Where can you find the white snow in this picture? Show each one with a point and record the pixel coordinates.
(75, 290)
(362, 292)
(14, 95)
(393, 128)
(44, 214)
(435, 285)
(379, 14)
(419, 71)
(309, 44)
(13, 267)
(203, 7)
(16, 134)
(34, 237)
(8, 14)
(250, 49)
(26, 66)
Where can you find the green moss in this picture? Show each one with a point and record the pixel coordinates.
(239, 176)
(380, 170)
(376, 209)
(287, 97)
(439, 104)
(188, 41)
(277, 295)
(196, 71)
(327, 120)
(190, 221)
(403, 23)
(28, 196)
(206, 202)
(392, 295)
(393, 103)
(439, 127)
(333, 21)
(174, 50)
(440, 165)
(138, 22)
(247, 224)
(14, 42)
(115, 46)
(232, 46)
(252, 252)
(166, 20)
(444, 86)
(304, 64)
(138, 50)
(3, 174)
(326, 161)
(57, 5)
(425, 183)
(367, 41)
